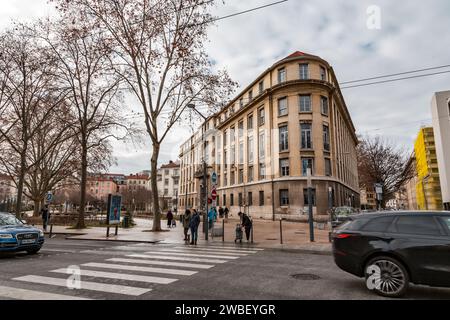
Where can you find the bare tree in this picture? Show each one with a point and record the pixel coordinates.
(382, 162)
(159, 46)
(86, 70)
(26, 85)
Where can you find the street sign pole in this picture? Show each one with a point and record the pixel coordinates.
(310, 207)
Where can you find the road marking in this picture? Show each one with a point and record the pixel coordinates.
(190, 255)
(139, 268)
(104, 252)
(57, 250)
(24, 294)
(127, 248)
(206, 252)
(120, 276)
(240, 248)
(162, 263)
(224, 251)
(86, 285)
(176, 258)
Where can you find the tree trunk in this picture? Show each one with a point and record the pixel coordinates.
(18, 209)
(80, 223)
(37, 207)
(154, 186)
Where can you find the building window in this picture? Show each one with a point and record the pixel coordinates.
(261, 87)
(261, 146)
(232, 178)
(225, 179)
(166, 192)
(240, 203)
(281, 75)
(326, 138)
(231, 199)
(306, 135)
(233, 154)
(284, 139)
(225, 160)
(324, 105)
(284, 197)
(250, 149)
(304, 71)
(284, 167)
(241, 129)
(323, 74)
(241, 103)
(224, 201)
(250, 199)
(262, 171)
(241, 153)
(241, 175)
(282, 106)
(250, 174)
(304, 102)
(250, 95)
(305, 197)
(232, 134)
(307, 163)
(261, 117)
(250, 122)
(327, 167)
(166, 182)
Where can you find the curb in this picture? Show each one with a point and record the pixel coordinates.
(72, 237)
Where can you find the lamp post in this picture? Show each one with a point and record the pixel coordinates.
(310, 206)
(205, 181)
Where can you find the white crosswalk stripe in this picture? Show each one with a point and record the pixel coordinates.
(236, 254)
(163, 263)
(190, 255)
(120, 276)
(161, 257)
(139, 268)
(24, 294)
(221, 251)
(86, 285)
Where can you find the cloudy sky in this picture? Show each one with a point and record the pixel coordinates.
(413, 35)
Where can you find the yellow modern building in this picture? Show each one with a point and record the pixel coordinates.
(428, 189)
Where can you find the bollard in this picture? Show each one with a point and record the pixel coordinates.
(223, 230)
(51, 231)
(107, 231)
(281, 231)
(251, 234)
(117, 230)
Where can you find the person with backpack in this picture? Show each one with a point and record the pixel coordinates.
(169, 218)
(246, 224)
(193, 225)
(186, 222)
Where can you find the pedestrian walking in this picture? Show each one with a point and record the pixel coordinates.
(169, 218)
(225, 211)
(221, 212)
(212, 217)
(246, 223)
(45, 213)
(193, 225)
(186, 222)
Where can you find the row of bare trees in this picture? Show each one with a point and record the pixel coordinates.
(63, 81)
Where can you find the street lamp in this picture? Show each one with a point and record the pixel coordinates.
(205, 181)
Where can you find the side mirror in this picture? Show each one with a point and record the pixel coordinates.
(24, 221)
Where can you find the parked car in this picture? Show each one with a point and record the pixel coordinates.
(395, 248)
(340, 215)
(15, 235)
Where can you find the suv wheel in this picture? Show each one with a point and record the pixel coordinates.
(33, 251)
(386, 276)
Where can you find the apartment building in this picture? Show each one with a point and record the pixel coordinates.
(440, 110)
(291, 117)
(428, 190)
(168, 179)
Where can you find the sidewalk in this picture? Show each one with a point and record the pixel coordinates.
(266, 234)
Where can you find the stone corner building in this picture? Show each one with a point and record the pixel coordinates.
(260, 145)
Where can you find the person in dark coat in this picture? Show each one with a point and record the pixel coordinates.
(193, 225)
(186, 222)
(221, 212)
(169, 218)
(45, 213)
(225, 211)
(246, 224)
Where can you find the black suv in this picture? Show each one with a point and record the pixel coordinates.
(392, 249)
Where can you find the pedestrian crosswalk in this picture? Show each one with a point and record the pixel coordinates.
(131, 270)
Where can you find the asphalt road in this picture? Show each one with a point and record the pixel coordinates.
(111, 270)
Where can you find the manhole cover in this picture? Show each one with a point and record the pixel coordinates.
(305, 276)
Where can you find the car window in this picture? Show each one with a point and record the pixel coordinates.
(8, 220)
(352, 225)
(446, 221)
(417, 225)
(378, 224)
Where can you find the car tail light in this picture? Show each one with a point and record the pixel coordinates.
(344, 235)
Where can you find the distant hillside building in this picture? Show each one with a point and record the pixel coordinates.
(440, 110)
(428, 187)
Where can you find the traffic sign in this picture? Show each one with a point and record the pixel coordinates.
(214, 178)
(214, 193)
(49, 197)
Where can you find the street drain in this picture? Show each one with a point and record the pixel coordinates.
(305, 276)
(271, 239)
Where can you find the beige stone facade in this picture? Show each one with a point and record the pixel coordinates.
(260, 145)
